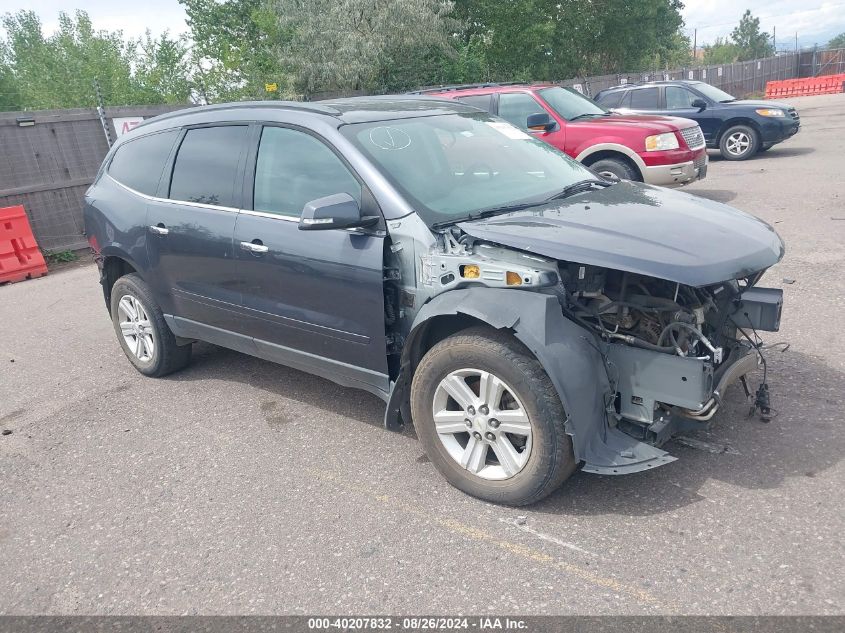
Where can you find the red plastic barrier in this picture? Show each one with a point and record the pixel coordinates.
(824, 85)
(20, 257)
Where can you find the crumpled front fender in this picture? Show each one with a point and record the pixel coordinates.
(572, 359)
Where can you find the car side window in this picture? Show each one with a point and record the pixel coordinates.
(207, 164)
(485, 102)
(678, 98)
(516, 106)
(294, 168)
(138, 164)
(644, 99)
(610, 99)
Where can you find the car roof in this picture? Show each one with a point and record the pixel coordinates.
(484, 89)
(656, 82)
(341, 111)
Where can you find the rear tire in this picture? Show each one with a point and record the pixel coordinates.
(500, 377)
(142, 331)
(616, 167)
(739, 142)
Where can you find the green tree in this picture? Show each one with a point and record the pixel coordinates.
(9, 96)
(751, 42)
(325, 45)
(837, 42)
(231, 57)
(59, 71)
(721, 52)
(162, 70)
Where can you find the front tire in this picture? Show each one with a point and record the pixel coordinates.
(739, 142)
(142, 331)
(614, 168)
(490, 419)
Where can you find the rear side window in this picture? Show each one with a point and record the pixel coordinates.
(644, 99)
(678, 98)
(207, 164)
(516, 106)
(610, 99)
(485, 102)
(294, 168)
(138, 164)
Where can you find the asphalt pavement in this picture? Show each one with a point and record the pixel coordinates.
(239, 486)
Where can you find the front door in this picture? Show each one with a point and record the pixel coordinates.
(190, 227)
(310, 299)
(679, 103)
(516, 107)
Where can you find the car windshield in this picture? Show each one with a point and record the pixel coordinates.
(571, 104)
(454, 166)
(713, 93)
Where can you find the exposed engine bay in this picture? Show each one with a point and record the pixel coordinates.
(671, 349)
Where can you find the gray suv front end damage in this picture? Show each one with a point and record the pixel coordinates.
(640, 329)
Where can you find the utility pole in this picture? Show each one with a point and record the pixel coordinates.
(775, 39)
(694, 43)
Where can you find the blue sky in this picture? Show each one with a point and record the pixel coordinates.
(815, 21)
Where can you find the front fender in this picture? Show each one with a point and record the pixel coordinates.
(572, 359)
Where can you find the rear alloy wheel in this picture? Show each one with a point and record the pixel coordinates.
(739, 143)
(142, 331)
(490, 419)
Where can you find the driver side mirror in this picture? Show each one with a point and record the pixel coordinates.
(338, 211)
(540, 122)
(701, 104)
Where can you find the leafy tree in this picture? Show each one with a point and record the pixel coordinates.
(751, 42)
(837, 42)
(162, 70)
(721, 52)
(58, 71)
(9, 95)
(326, 45)
(231, 57)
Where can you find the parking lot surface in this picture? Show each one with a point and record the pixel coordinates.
(239, 486)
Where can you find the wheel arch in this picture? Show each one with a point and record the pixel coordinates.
(113, 267)
(565, 351)
(740, 120)
(612, 150)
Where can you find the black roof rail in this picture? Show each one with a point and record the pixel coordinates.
(307, 106)
(453, 87)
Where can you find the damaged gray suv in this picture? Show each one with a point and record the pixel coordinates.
(527, 317)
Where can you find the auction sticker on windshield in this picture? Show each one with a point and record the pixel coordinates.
(508, 130)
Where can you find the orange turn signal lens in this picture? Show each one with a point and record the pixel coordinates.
(513, 279)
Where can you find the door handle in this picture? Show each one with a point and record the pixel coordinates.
(159, 229)
(254, 247)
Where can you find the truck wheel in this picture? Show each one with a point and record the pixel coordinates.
(739, 142)
(490, 419)
(142, 331)
(615, 168)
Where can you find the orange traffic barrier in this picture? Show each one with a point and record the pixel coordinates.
(806, 86)
(20, 257)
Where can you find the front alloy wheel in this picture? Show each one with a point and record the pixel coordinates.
(482, 424)
(490, 419)
(739, 143)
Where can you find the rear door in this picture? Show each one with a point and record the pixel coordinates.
(310, 299)
(645, 100)
(190, 226)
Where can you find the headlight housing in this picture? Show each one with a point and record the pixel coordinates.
(773, 112)
(661, 142)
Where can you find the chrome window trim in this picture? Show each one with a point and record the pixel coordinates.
(202, 205)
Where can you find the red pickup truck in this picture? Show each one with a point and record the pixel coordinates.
(655, 149)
